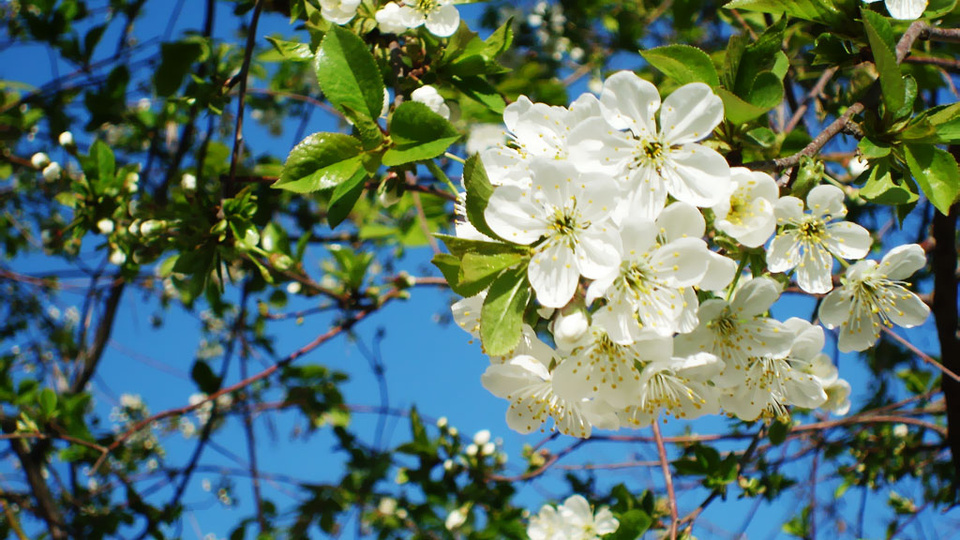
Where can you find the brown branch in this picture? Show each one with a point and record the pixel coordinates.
(667, 478)
(917, 30)
(945, 63)
(811, 95)
(309, 347)
(241, 98)
(944, 263)
(90, 358)
(920, 354)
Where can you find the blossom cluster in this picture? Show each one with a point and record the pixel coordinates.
(439, 17)
(572, 520)
(638, 234)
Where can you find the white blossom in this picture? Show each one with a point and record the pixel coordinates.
(573, 520)
(188, 182)
(748, 214)
(52, 172)
(565, 215)
(808, 242)
(66, 139)
(904, 10)
(339, 11)
(39, 160)
(874, 294)
(440, 17)
(655, 160)
(429, 96)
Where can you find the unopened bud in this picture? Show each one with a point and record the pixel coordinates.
(66, 140)
(118, 257)
(39, 160)
(152, 226)
(52, 172)
(569, 329)
(188, 182)
(105, 226)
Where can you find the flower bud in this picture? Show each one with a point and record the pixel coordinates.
(188, 182)
(66, 140)
(455, 519)
(569, 329)
(482, 437)
(152, 226)
(52, 172)
(39, 160)
(105, 226)
(118, 257)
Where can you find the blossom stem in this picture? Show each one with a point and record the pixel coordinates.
(667, 478)
(442, 176)
(454, 157)
(736, 278)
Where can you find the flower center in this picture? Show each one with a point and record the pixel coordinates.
(651, 153)
(427, 6)
(812, 229)
(724, 325)
(565, 223)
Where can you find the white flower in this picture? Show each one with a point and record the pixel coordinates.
(680, 385)
(838, 397)
(874, 294)
(52, 172)
(389, 20)
(807, 241)
(655, 161)
(484, 136)
(456, 518)
(439, 16)
(770, 383)
(429, 96)
(573, 520)
(566, 215)
(188, 182)
(904, 10)
(105, 226)
(66, 139)
(738, 330)
(118, 257)
(748, 215)
(535, 130)
(339, 11)
(653, 286)
(527, 383)
(857, 166)
(39, 160)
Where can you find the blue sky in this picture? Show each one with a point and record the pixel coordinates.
(427, 364)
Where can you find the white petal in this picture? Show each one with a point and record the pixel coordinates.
(513, 111)
(411, 17)
(629, 102)
(444, 21)
(826, 199)
(788, 209)
(553, 275)
(908, 309)
(902, 261)
(682, 263)
(906, 10)
(690, 114)
(783, 253)
(755, 297)
(814, 273)
(593, 145)
(680, 220)
(848, 240)
(720, 272)
(834, 309)
(697, 175)
(513, 216)
(598, 251)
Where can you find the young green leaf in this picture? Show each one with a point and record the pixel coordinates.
(478, 269)
(683, 63)
(321, 161)
(175, 61)
(344, 197)
(936, 172)
(828, 12)
(348, 73)
(501, 318)
(419, 134)
(883, 46)
(479, 190)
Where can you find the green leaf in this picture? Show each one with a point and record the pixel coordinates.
(936, 172)
(479, 190)
(175, 61)
(203, 375)
(881, 189)
(778, 432)
(480, 270)
(348, 73)
(633, 524)
(321, 161)
(736, 109)
(369, 130)
(501, 318)
(883, 45)
(683, 63)
(106, 162)
(830, 49)
(760, 56)
(48, 402)
(872, 149)
(767, 91)
(481, 91)
(829, 12)
(500, 40)
(345, 197)
(293, 51)
(461, 246)
(938, 125)
(419, 134)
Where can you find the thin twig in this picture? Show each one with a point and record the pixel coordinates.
(920, 354)
(667, 478)
(241, 97)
